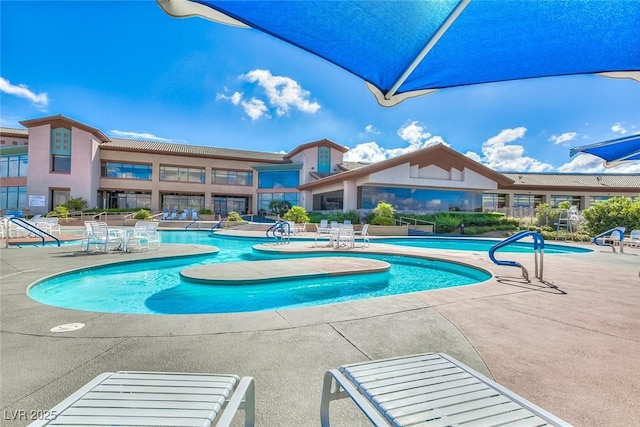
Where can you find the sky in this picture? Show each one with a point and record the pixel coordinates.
(132, 71)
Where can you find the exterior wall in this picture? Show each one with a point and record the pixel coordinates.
(432, 177)
(309, 159)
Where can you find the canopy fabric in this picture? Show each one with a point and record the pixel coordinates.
(409, 48)
(613, 152)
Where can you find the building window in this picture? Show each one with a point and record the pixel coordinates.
(182, 174)
(60, 143)
(61, 164)
(274, 202)
(222, 205)
(126, 171)
(420, 200)
(230, 177)
(127, 200)
(180, 202)
(13, 166)
(279, 179)
(492, 202)
(13, 197)
(526, 200)
(557, 199)
(324, 159)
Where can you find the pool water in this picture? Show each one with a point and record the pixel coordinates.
(155, 286)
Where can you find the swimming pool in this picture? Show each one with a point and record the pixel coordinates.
(155, 286)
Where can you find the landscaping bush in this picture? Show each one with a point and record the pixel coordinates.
(296, 214)
(142, 214)
(383, 214)
(234, 216)
(615, 212)
(60, 211)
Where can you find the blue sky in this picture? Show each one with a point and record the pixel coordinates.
(132, 71)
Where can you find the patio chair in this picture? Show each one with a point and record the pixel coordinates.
(103, 238)
(137, 238)
(428, 389)
(322, 230)
(194, 215)
(183, 216)
(634, 239)
(364, 235)
(344, 238)
(172, 216)
(157, 398)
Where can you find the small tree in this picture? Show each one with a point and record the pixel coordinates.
(234, 216)
(76, 204)
(383, 214)
(279, 206)
(296, 214)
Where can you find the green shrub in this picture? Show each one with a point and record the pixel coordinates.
(76, 204)
(142, 214)
(296, 214)
(204, 211)
(615, 212)
(383, 214)
(60, 211)
(234, 216)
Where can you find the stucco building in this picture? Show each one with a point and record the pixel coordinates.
(56, 158)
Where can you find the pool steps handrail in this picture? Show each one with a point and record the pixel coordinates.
(279, 227)
(601, 240)
(32, 229)
(538, 252)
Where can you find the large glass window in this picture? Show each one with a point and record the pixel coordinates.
(13, 197)
(180, 202)
(222, 205)
(557, 199)
(279, 179)
(60, 150)
(60, 197)
(13, 166)
(128, 199)
(268, 201)
(526, 200)
(324, 159)
(230, 177)
(126, 171)
(492, 202)
(421, 200)
(183, 174)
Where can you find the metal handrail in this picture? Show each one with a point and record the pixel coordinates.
(600, 239)
(415, 221)
(538, 252)
(33, 229)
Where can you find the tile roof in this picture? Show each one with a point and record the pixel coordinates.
(575, 180)
(191, 150)
(14, 132)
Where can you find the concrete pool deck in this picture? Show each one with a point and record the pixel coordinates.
(570, 344)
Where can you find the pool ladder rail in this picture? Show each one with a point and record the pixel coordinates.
(281, 231)
(538, 253)
(613, 238)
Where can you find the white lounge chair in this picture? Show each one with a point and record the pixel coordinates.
(157, 399)
(103, 238)
(183, 216)
(634, 239)
(431, 389)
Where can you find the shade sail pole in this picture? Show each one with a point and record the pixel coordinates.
(430, 44)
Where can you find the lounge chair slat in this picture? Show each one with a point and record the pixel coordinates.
(186, 397)
(128, 421)
(169, 383)
(439, 377)
(143, 404)
(425, 394)
(118, 411)
(163, 376)
(454, 381)
(480, 416)
(150, 389)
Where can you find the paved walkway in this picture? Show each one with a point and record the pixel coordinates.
(570, 344)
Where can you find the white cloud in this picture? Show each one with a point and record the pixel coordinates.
(619, 129)
(588, 163)
(41, 100)
(283, 93)
(138, 135)
(255, 108)
(411, 132)
(367, 152)
(499, 154)
(564, 137)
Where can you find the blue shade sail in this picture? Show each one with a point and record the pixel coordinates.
(614, 152)
(409, 48)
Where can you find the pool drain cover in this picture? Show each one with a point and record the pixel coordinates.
(67, 327)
